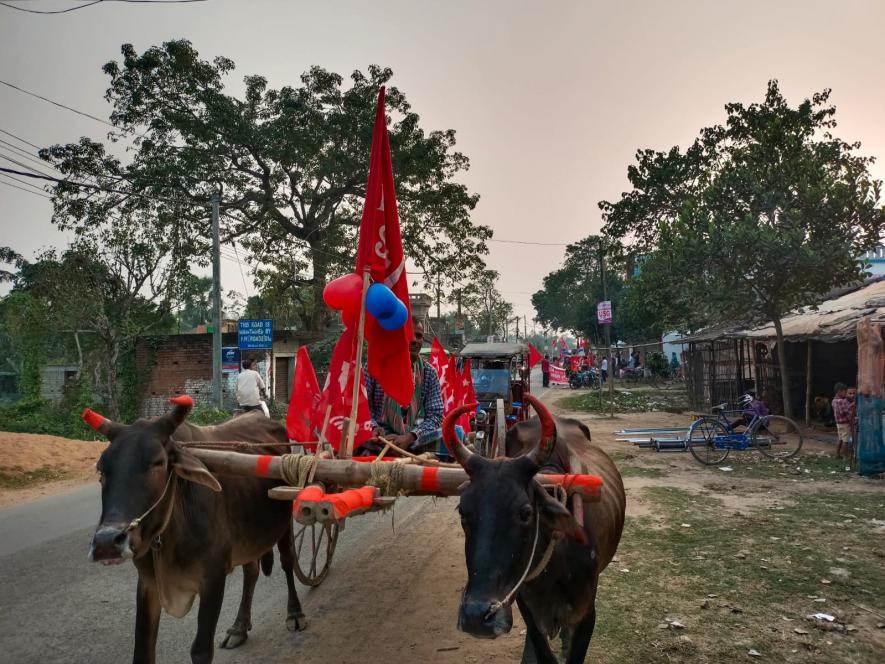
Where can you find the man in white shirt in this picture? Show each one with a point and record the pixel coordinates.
(604, 367)
(250, 388)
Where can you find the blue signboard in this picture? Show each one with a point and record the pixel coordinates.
(255, 334)
(230, 359)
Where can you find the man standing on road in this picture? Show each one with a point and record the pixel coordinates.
(545, 370)
(250, 388)
(604, 367)
(417, 427)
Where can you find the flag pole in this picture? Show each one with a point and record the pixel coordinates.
(361, 335)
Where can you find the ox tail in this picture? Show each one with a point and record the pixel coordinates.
(267, 562)
(586, 430)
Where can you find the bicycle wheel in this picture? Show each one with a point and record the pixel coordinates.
(701, 441)
(777, 437)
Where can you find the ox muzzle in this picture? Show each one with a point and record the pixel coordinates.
(477, 618)
(111, 545)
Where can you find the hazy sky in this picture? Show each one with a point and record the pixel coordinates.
(550, 100)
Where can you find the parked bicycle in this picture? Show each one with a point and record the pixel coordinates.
(588, 378)
(712, 437)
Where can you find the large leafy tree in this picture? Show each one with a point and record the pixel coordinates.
(569, 295)
(758, 216)
(482, 305)
(290, 165)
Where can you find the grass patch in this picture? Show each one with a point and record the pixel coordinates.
(627, 401)
(15, 477)
(640, 471)
(733, 580)
(802, 468)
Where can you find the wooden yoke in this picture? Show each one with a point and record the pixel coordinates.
(416, 480)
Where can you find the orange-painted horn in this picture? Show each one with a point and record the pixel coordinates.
(94, 420)
(183, 400)
(548, 430)
(456, 448)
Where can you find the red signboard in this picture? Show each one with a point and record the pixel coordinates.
(604, 312)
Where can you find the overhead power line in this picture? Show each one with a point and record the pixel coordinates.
(541, 244)
(19, 138)
(55, 103)
(95, 2)
(28, 191)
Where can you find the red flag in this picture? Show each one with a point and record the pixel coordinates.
(469, 395)
(303, 401)
(534, 356)
(453, 399)
(338, 393)
(440, 364)
(380, 251)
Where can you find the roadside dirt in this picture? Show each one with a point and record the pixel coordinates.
(32, 466)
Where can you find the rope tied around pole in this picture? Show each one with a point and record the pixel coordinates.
(388, 477)
(299, 469)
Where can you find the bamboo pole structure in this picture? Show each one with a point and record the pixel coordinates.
(358, 367)
(808, 378)
(416, 480)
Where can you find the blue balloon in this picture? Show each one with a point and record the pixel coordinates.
(381, 301)
(397, 320)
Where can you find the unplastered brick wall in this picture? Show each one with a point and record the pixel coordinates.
(174, 365)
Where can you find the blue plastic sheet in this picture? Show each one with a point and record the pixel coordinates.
(871, 444)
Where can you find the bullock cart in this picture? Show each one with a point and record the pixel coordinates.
(501, 380)
(325, 492)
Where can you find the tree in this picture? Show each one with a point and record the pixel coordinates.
(569, 295)
(763, 214)
(290, 164)
(484, 307)
(196, 302)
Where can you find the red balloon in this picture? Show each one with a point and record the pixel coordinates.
(344, 292)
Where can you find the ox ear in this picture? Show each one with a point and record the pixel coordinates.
(561, 520)
(190, 468)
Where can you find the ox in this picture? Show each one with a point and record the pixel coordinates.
(161, 508)
(520, 542)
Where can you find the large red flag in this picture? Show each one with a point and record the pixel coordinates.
(534, 356)
(304, 400)
(468, 394)
(338, 393)
(381, 252)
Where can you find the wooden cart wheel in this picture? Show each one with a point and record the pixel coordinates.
(314, 548)
(500, 429)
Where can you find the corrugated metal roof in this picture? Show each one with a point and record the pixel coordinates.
(501, 349)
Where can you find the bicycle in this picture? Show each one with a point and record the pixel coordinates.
(712, 437)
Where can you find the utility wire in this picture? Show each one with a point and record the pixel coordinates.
(19, 152)
(95, 2)
(15, 186)
(27, 184)
(55, 103)
(19, 138)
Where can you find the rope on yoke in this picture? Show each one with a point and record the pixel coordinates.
(388, 477)
(298, 469)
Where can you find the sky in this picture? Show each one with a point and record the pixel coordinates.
(550, 100)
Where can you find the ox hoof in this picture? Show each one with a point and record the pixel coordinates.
(295, 622)
(236, 636)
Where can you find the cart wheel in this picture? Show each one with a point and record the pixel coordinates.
(777, 437)
(314, 548)
(701, 441)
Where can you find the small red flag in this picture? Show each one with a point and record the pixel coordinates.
(441, 365)
(338, 393)
(380, 251)
(303, 401)
(534, 356)
(468, 394)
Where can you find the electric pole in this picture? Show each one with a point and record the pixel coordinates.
(608, 341)
(215, 199)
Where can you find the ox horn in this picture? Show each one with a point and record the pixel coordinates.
(177, 415)
(545, 447)
(99, 422)
(456, 448)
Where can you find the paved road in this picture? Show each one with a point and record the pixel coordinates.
(56, 606)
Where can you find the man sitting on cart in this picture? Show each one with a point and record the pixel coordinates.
(418, 427)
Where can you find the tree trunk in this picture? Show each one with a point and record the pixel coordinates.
(315, 319)
(782, 361)
(112, 354)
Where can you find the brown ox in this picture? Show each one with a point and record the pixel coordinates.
(509, 522)
(185, 529)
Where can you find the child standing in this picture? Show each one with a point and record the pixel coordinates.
(843, 412)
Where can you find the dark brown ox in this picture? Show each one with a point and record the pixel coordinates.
(509, 522)
(186, 529)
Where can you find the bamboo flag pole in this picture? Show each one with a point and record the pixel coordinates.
(361, 333)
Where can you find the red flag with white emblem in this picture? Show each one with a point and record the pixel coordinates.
(468, 394)
(338, 393)
(380, 251)
(441, 366)
(304, 399)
